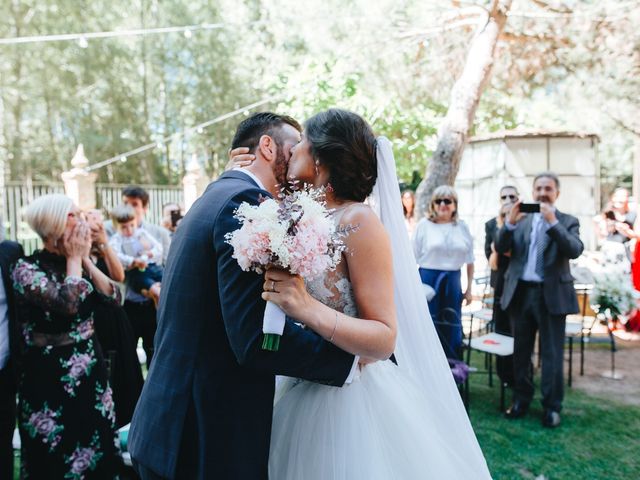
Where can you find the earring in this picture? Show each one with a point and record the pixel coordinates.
(317, 165)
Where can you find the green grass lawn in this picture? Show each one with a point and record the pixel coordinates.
(598, 438)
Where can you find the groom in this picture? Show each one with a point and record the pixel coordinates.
(205, 410)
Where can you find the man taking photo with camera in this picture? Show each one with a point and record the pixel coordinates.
(538, 293)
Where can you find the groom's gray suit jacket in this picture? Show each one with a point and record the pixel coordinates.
(205, 410)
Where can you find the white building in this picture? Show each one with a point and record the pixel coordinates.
(514, 158)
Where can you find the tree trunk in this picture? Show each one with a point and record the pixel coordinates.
(55, 155)
(465, 96)
(15, 164)
(148, 172)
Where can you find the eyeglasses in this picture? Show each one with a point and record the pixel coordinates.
(510, 197)
(446, 201)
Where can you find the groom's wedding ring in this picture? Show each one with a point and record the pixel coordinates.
(273, 286)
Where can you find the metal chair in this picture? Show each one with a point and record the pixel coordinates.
(448, 318)
(491, 343)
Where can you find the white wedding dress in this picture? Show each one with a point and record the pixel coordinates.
(402, 422)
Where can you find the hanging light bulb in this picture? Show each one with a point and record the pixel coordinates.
(187, 33)
(123, 158)
(200, 130)
(82, 42)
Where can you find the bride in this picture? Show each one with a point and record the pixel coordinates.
(403, 421)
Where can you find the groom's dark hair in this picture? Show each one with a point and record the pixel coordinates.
(250, 130)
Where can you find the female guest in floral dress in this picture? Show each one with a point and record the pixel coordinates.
(65, 413)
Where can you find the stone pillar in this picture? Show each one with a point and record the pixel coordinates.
(194, 182)
(79, 184)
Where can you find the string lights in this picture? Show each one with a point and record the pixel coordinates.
(123, 157)
(83, 38)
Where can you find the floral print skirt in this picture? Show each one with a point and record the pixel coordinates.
(66, 414)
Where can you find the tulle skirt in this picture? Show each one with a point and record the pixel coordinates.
(377, 428)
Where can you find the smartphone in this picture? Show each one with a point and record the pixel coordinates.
(529, 207)
(175, 217)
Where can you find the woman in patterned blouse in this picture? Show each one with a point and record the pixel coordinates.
(65, 413)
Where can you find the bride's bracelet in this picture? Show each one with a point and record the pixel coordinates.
(335, 327)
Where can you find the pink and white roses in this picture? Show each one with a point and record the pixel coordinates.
(294, 232)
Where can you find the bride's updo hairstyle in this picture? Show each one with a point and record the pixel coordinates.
(346, 145)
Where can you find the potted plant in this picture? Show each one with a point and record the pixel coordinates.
(613, 296)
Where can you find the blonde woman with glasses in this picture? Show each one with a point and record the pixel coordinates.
(442, 245)
(66, 412)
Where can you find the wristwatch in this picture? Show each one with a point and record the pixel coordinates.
(101, 246)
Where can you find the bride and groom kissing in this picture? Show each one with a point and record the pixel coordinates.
(345, 412)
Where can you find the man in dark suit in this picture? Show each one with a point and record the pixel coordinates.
(206, 407)
(9, 342)
(508, 196)
(538, 293)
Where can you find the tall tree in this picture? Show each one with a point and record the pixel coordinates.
(465, 96)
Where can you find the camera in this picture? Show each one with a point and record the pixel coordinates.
(175, 217)
(529, 207)
(610, 215)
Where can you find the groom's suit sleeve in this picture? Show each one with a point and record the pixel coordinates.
(302, 353)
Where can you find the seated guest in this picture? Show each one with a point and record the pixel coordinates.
(139, 253)
(10, 252)
(443, 244)
(66, 413)
(113, 329)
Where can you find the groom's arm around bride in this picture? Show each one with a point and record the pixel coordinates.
(206, 407)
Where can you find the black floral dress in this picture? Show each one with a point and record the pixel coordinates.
(66, 413)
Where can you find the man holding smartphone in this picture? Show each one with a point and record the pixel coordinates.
(538, 293)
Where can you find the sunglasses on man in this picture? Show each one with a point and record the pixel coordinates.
(446, 201)
(510, 197)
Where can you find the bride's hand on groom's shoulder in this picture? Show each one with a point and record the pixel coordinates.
(240, 157)
(288, 292)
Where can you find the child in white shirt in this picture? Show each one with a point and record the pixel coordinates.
(138, 251)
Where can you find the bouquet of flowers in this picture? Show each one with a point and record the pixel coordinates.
(294, 232)
(613, 291)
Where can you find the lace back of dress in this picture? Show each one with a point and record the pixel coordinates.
(333, 288)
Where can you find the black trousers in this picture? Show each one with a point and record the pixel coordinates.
(502, 322)
(529, 314)
(142, 316)
(7, 420)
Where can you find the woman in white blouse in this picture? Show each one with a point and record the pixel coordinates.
(443, 244)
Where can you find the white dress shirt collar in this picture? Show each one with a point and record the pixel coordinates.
(252, 176)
